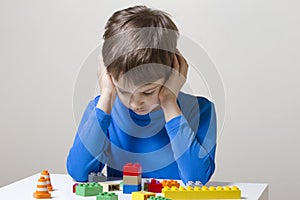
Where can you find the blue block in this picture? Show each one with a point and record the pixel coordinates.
(128, 189)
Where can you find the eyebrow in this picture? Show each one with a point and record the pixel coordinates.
(151, 88)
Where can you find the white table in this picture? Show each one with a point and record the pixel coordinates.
(63, 186)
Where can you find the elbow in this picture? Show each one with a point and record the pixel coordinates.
(207, 174)
(76, 172)
(207, 168)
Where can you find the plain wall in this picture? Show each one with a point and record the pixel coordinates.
(254, 45)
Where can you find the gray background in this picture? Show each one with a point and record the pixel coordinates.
(253, 43)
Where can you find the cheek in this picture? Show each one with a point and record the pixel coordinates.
(152, 100)
(124, 99)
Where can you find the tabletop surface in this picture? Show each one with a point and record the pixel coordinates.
(62, 185)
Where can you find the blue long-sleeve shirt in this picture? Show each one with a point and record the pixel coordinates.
(183, 148)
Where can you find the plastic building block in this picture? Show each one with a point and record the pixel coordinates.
(42, 189)
(132, 169)
(145, 185)
(74, 187)
(202, 192)
(88, 189)
(142, 195)
(193, 184)
(46, 175)
(155, 186)
(132, 180)
(97, 177)
(111, 186)
(158, 198)
(128, 189)
(170, 183)
(107, 196)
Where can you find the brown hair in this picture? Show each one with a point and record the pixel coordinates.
(138, 36)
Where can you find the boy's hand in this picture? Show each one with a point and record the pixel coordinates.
(107, 88)
(169, 92)
(177, 78)
(105, 82)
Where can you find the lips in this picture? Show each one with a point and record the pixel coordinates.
(139, 110)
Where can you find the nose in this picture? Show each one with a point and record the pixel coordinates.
(135, 103)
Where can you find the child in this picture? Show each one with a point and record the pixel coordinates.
(141, 115)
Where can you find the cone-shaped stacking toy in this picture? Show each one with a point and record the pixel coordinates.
(46, 175)
(41, 189)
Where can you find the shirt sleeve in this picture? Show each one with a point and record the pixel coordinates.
(194, 146)
(89, 150)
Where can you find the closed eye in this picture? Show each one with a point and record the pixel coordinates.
(148, 93)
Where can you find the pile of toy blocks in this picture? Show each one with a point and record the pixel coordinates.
(132, 178)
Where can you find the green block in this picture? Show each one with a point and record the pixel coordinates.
(88, 189)
(158, 198)
(107, 196)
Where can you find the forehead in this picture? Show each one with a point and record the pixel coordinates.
(130, 87)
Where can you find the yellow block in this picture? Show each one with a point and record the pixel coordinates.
(142, 195)
(202, 193)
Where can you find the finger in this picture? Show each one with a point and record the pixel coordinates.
(175, 63)
(182, 74)
(101, 69)
(178, 52)
(181, 59)
(101, 64)
(180, 56)
(180, 64)
(184, 68)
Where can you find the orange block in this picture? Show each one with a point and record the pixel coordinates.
(170, 183)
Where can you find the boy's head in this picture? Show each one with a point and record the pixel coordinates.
(139, 47)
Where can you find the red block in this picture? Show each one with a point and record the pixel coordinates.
(74, 187)
(155, 186)
(132, 169)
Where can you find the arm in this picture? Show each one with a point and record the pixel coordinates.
(90, 144)
(194, 146)
(89, 151)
